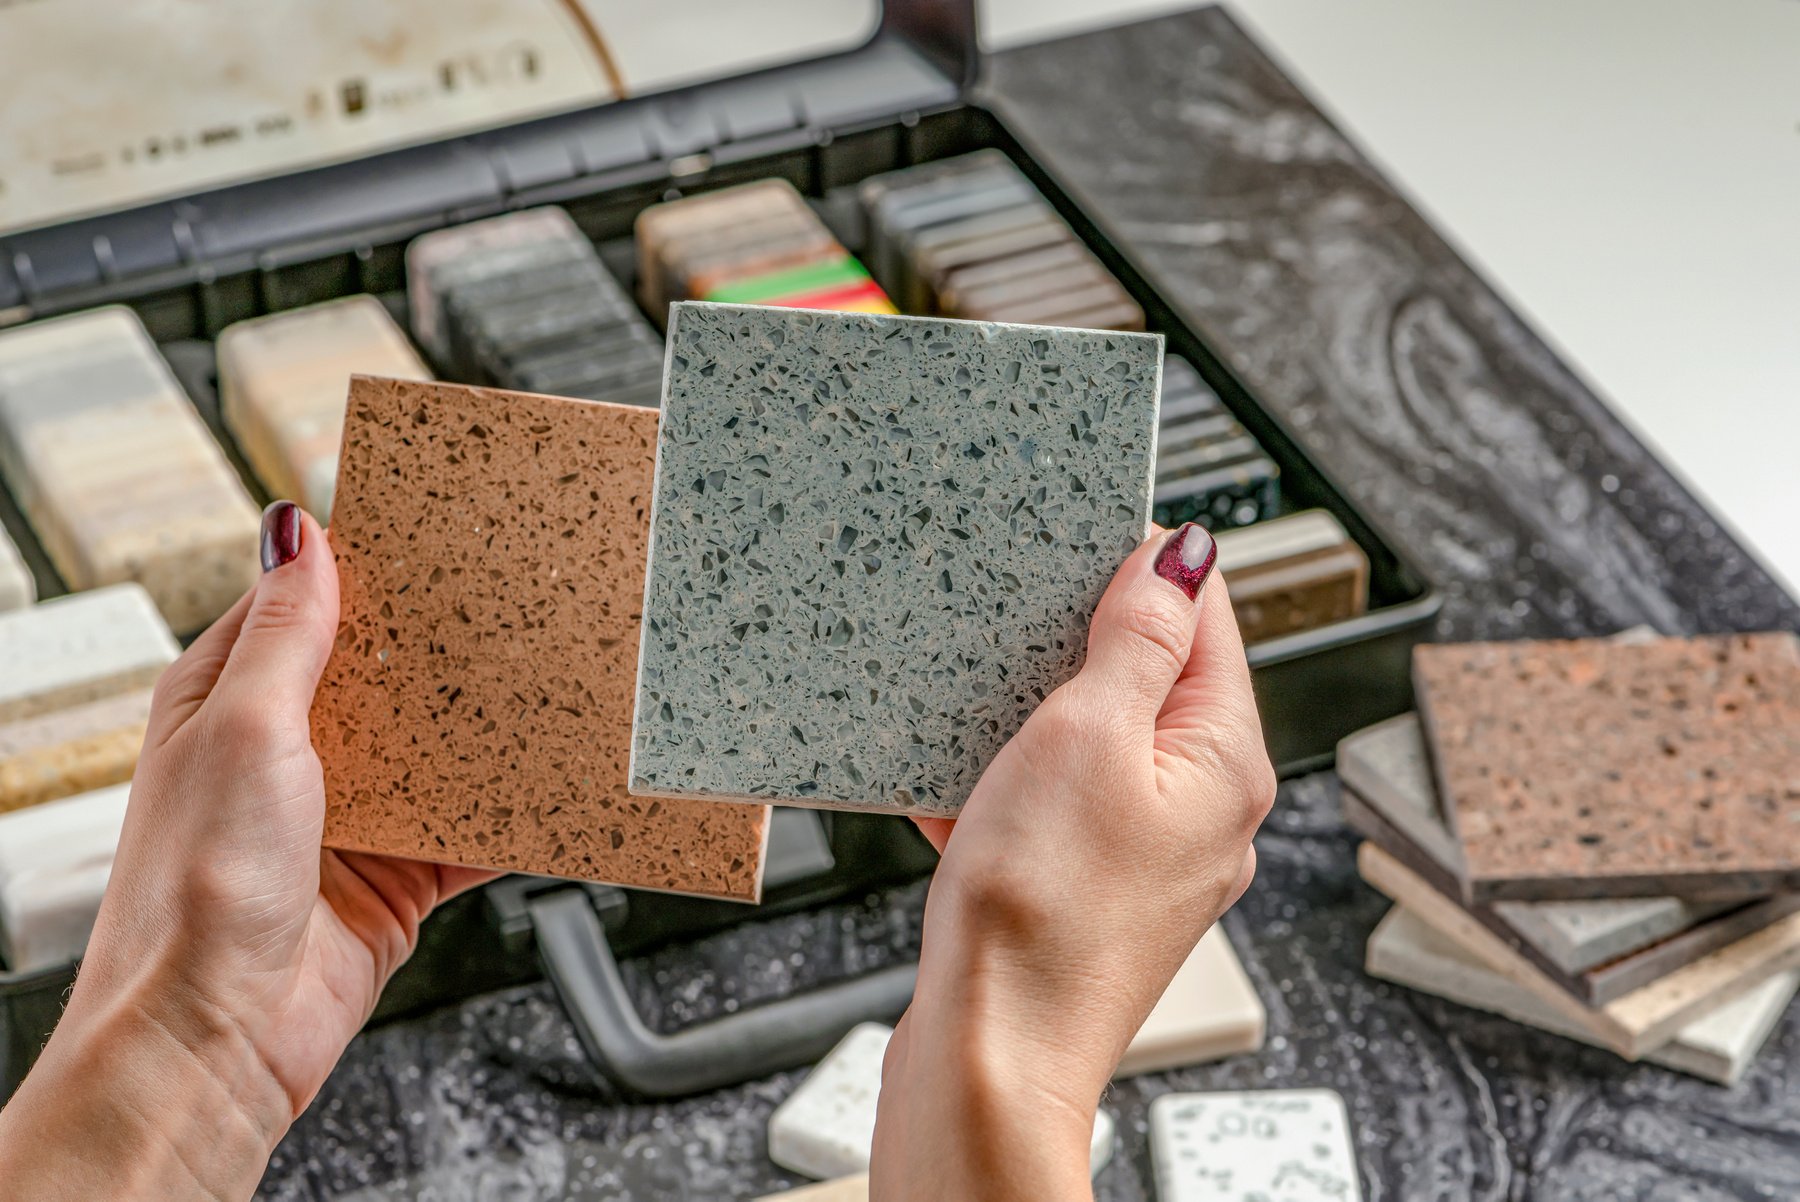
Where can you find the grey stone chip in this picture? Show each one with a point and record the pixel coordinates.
(876, 545)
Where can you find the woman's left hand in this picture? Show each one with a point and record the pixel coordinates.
(233, 960)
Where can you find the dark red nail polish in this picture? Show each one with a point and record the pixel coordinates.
(1186, 560)
(280, 534)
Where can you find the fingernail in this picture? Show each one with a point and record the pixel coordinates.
(1186, 560)
(280, 534)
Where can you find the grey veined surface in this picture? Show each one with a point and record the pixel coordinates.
(876, 544)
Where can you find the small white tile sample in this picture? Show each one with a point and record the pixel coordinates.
(116, 472)
(283, 382)
(55, 859)
(826, 1128)
(1288, 1145)
(1208, 1012)
(79, 648)
(1718, 1046)
(17, 588)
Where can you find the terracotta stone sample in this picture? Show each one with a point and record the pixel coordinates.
(1589, 768)
(17, 587)
(876, 545)
(1598, 950)
(282, 382)
(115, 470)
(1632, 1025)
(54, 863)
(1208, 1012)
(477, 706)
(1718, 1046)
(80, 648)
(72, 750)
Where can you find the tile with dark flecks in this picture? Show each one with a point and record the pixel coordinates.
(876, 545)
(1591, 768)
(477, 706)
(1597, 950)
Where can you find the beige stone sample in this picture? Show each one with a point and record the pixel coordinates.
(477, 707)
(1208, 1012)
(73, 750)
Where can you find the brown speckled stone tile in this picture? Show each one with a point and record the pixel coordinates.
(1588, 768)
(477, 707)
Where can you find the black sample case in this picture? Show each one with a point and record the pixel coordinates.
(909, 95)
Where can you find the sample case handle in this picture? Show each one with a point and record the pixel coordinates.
(752, 1043)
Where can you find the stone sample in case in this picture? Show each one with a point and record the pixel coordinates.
(17, 587)
(1589, 768)
(114, 469)
(1208, 1012)
(80, 648)
(1293, 573)
(282, 383)
(826, 1127)
(876, 546)
(1718, 1046)
(1288, 1144)
(73, 750)
(1597, 950)
(1209, 469)
(1643, 1019)
(844, 1189)
(477, 706)
(55, 860)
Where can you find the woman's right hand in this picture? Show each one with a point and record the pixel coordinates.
(1098, 847)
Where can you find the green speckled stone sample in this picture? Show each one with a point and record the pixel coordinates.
(875, 546)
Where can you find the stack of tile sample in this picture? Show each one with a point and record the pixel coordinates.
(972, 237)
(282, 381)
(115, 471)
(755, 244)
(523, 302)
(1594, 837)
(76, 675)
(1209, 469)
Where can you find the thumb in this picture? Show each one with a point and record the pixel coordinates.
(288, 630)
(1143, 628)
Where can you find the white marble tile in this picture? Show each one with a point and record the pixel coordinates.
(1291, 1144)
(55, 859)
(80, 648)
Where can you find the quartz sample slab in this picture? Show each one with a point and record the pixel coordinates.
(1209, 1011)
(282, 384)
(73, 750)
(1288, 1144)
(826, 1127)
(80, 648)
(876, 545)
(1599, 950)
(115, 471)
(1588, 768)
(17, 587)
(476, 707)
(1644, 1019)
(55, 859)
(1718, 1046)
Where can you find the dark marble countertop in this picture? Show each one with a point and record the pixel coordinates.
(1486, 462)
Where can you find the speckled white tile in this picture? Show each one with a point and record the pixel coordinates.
(1717, 1046)
(79, 648)
(826, 1127)
(876, 545)
(55, 859)
(1291, 1145)
(115, 471)
(17, 588)
(1209, 1011)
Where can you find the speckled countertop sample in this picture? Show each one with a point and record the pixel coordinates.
(476, 708)
(1590, 768)
(876, 546)
(1354, 321)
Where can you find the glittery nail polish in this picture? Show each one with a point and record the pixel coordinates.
(1186, 560)
(280, 534)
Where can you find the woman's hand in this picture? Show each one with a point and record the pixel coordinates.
(233, 959)
(1099, 846)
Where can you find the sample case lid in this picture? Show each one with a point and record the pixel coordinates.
(130, 132)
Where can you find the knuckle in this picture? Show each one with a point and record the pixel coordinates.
(242, 731)
(1160, 634)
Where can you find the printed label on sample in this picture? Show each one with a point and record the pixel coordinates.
(110, 104)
